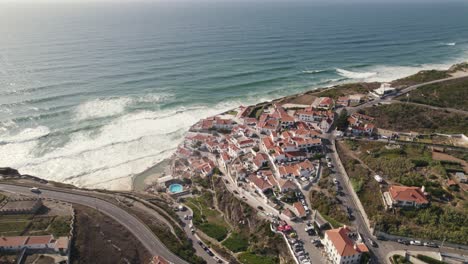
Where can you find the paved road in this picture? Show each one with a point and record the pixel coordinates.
(401, 92)
(348, 200)
(135, 226)
(198, 249)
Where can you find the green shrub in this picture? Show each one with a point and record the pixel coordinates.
(429, 260)
(236, 243)
(215, 231)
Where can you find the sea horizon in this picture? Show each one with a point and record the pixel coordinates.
(94, 96)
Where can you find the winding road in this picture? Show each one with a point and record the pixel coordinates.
(133, 224)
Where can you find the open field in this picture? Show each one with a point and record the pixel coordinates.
(100, 239)
(415, 118)
(451, 94)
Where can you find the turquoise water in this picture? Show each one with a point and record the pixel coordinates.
(92, 94)
(175, 188)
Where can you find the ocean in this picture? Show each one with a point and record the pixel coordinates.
(93, 94)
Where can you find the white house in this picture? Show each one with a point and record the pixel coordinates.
(341, 249)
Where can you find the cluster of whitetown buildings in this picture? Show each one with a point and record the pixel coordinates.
(273, 152)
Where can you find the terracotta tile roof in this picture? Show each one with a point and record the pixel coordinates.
(288, 213)
(261, 183)
(300, 209)
(342, 243)
(286, 184)
(268, 142)
(14, 241)
(410, 194)
(260, 158)
(39, 240)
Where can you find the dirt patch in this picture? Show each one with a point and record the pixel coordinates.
(100, 239)
(446, 157)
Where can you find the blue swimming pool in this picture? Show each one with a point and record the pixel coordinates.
(175, 188)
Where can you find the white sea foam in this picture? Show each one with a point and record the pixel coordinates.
(450, 44)
(109, 157)
(107, 107)
(313, 71)
(102, 108)
(355, 75)
(27, 134)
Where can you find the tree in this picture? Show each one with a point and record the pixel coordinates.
(342, 120)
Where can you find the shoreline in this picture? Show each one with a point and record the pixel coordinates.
(141, 181)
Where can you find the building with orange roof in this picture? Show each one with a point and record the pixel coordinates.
(46, 242)
(300, 210)
(405, 196)
(341, 249)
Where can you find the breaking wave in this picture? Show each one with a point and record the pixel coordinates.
(355, 75)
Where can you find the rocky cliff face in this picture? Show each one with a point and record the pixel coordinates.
(6, 171)
(10, 173)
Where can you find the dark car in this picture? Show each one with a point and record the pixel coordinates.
(404, 242)
(209, 252)
(260, 208)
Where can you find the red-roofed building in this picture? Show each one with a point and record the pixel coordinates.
(405, 196)
(323, 103)
(288, 213)
(16, 243)
(341, 249)
(260, 160)
(259, 183)
(343, 101)
(300, 210)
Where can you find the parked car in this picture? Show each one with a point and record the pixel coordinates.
(329, 165)
(236, 192)
(430, 244)
(404, 242)
(415, 243)
(260, 208)
(35, 190)
(209, 252)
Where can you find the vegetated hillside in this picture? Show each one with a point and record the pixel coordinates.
(249, 235)
(333, 92)
(451, 94)
(407, 117)
(421, 77)
(348, 89)
(409, 165)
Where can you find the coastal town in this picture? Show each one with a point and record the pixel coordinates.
(314, 178)
(273, 155)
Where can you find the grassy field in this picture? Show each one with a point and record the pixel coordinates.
(407, 118)
(251, 258)
(451, 94)
(421, 77)
(208, 220)
(236, 242)
(329, 208)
